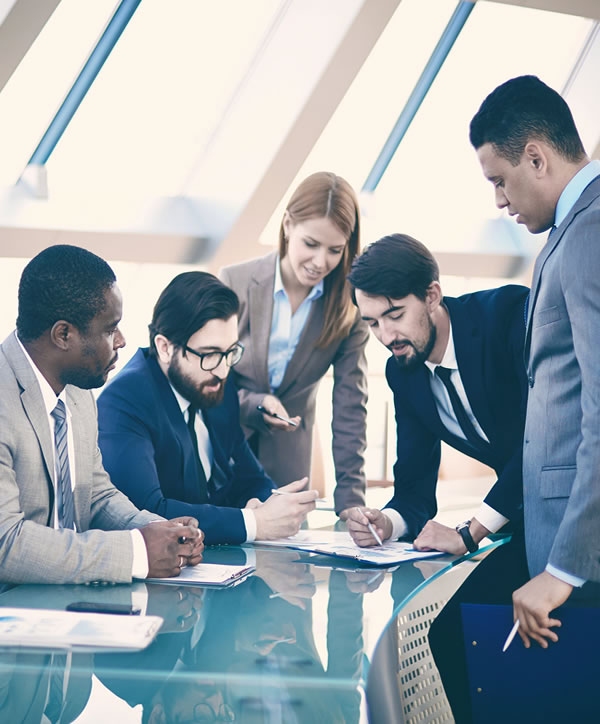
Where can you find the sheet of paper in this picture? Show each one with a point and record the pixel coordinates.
(340, 543)
(206, 574)
(43, 628)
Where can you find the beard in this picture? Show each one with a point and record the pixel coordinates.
(194, 391)
(419, 353)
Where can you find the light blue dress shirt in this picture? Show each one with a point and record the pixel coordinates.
(286, 327)
(567, 200)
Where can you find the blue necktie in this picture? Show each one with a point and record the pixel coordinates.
(64, 492)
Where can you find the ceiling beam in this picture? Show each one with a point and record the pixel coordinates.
(19, 30)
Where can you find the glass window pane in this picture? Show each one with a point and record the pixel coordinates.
(159, 97)
(435, 168)
(36, 89)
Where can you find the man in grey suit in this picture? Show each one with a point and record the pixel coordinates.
(530, 150)
(61, 519)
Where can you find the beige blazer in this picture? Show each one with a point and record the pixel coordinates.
(287, 456)
(31, 551)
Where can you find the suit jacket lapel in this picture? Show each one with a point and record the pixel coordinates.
(590, 193)
(421, 397)
(177, 421)
(83, 464)
(33, 403)
(468, 349)
(261, 313)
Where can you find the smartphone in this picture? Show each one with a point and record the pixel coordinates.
(260, 408)
(124, 609)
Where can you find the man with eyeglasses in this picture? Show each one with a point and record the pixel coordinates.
(169, 428)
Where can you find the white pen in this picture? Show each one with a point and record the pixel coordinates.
(374, 534)
(287, 492)
(511, 635)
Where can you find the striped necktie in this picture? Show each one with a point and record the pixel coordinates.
(64, 491)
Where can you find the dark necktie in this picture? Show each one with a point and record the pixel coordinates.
(64, 491)
(461, 414)
(202, 486)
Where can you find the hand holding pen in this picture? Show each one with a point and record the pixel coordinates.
(368, 526)
(276, 416)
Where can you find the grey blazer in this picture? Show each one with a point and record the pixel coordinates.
(287, 456)
(561, 452)
(30, 549)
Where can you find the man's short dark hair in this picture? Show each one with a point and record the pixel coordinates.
(394, 267)
(188, 302)
(523, 109)
(62, 282)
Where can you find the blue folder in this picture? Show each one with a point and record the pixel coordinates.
(560, 684)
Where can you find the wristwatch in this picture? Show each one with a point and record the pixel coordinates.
(463, 530)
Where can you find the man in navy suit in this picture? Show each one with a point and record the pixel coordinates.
(169, 427)
(457, 375)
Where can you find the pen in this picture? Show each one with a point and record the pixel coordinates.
(286, 492)
(511, 635)
(374, 534)
(260, 408)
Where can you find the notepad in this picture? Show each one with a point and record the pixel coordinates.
(207, 574)
(340, 544)
(42, 628)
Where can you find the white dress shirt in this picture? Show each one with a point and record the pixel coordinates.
(205, 452)
(140, 556)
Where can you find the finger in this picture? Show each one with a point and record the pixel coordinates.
(524, 638)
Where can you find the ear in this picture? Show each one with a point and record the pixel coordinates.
(61, 334)
(535, 155)
(434, 296)
(287, 223)
(164, 349)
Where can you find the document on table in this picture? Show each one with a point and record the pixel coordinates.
(207, 574)
(42, 628)
(340, 543)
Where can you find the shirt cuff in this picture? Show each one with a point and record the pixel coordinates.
(399, 527)
(490, 518)
(565, 577)
(250, 523)
(139, 597)
(139, 568)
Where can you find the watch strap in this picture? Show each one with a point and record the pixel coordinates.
(463, 530)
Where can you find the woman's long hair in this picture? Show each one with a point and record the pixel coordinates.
(325, 195)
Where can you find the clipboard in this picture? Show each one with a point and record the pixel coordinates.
(36, 628)
(210, 575)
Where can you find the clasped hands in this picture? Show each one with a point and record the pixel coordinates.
(171, 545)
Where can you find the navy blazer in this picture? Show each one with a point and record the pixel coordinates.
(488, 329)
(147, 451)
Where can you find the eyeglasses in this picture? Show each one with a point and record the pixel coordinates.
(211, 360)
(205, 713)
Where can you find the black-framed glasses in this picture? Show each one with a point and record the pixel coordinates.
(211, 360)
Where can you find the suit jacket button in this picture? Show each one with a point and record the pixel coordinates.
(530, 380)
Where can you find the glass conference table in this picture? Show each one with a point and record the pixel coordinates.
(306, 638)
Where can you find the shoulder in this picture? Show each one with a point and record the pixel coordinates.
(490, 304)
(242, 273)
(134, 383)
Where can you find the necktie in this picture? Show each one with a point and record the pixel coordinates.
(202, 486)
(461, 414)
(64, 492)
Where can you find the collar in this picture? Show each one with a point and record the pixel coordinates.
(278, 288)
(181, 401)
(449, 358)
(48, 395)
(574, 189)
